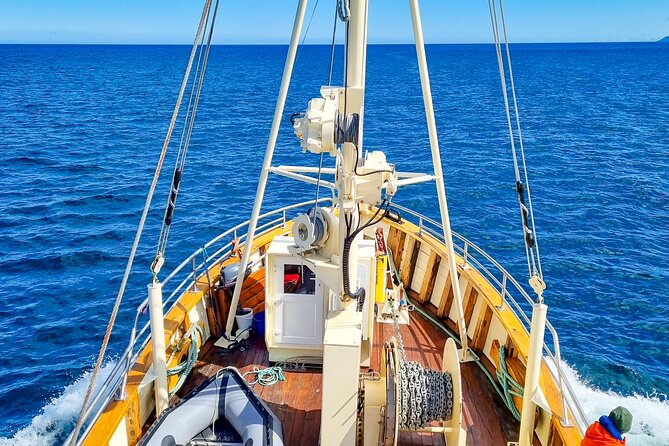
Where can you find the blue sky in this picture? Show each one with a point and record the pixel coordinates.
(269, 21)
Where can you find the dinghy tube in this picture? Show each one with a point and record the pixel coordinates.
(225, 400)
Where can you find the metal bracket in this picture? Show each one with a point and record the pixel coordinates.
(467, 356)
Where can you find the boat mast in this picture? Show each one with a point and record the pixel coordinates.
(267, 163)
(438, 174)
(353, 102)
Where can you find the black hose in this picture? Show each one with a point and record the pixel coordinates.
(293, 116)
(359, 294)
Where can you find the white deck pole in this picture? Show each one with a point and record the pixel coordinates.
(356, 44)
(158, 346)
(532, 373)
(269, 152)
(439, 178)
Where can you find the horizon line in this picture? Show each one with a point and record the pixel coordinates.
(328, 43)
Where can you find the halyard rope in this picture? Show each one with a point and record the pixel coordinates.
(140, 228)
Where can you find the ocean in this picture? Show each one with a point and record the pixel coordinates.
(82, 127)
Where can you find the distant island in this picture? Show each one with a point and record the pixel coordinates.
(664, 40)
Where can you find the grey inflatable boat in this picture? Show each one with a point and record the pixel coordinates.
(223, 411)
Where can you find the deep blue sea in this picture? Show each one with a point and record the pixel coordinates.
(81, 128)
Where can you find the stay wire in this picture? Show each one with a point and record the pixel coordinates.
(345, 20)
(532, 252)
(165, 229)
(306, 32)
(189, 109)
(199, 86)
(332, 50)
(332, 53)
(119, 297)
(520, 138)
(190, 117)
(502, 76)
(318, 179)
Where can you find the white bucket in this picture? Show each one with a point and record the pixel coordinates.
(245, 320)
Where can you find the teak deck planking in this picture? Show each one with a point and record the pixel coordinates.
(296, 401)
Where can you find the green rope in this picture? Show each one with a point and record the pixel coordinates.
(510, 386)
(183, 369)
(266, 377)
(506, 393)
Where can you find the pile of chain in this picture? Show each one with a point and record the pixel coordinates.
(425, 395)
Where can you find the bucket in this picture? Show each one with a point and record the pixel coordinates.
(245, 319)
(259, 323)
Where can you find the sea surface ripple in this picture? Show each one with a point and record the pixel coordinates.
(82, 127)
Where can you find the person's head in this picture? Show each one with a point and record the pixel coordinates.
(622, 419)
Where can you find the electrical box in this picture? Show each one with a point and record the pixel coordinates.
(297, 300)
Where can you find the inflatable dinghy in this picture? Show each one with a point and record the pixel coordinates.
(223, 411)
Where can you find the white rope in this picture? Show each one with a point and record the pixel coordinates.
(138, 234)
(531, 251)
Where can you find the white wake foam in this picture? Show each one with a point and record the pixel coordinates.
(650, 426)
(58, 416)
(651, 415)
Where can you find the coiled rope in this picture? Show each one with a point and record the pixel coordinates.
(140, 229)
(510, 386)
(184, 369)
(266, 377)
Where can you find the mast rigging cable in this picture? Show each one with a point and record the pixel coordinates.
(140, 228)
(526, 211)
(184, 142)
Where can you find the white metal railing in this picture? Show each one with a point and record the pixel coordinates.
(115, 383)
(507, 286)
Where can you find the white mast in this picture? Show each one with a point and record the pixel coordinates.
(353, 102)
(438, 174)
(267, 163)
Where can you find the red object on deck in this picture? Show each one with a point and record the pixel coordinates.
(290, 282)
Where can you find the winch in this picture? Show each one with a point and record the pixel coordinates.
(310, 230)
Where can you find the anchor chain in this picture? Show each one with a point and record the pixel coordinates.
(425, 395)
(394, 312)
(360, 418)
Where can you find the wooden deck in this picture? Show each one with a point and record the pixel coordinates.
(297, 400)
